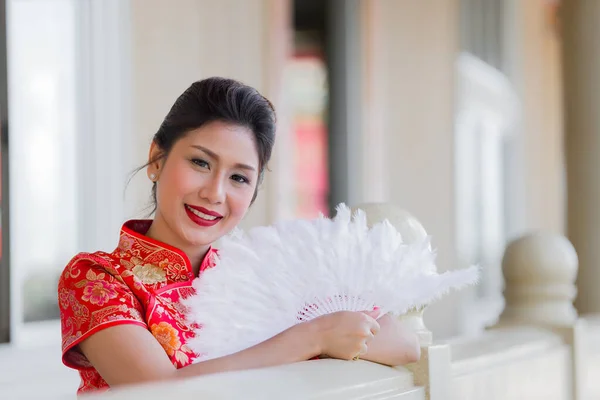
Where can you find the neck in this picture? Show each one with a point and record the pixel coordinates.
(159, 231)
(196, 260)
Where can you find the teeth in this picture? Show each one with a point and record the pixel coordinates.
(201, 214)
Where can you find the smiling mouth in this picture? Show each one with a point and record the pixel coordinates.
(201, 214)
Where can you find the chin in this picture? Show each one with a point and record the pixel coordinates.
(201, 240)
(197, 235)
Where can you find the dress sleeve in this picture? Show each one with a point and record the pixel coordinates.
(91, 298)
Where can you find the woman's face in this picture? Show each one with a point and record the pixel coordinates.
(205, 185)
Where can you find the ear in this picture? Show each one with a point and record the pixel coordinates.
(155, 161)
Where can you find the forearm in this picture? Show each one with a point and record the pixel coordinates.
(393, 345)
(298, 343)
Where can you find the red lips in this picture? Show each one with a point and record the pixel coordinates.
(205, 211)
(202, 221)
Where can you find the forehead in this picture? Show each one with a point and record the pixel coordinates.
(230, 142)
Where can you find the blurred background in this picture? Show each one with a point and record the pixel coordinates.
(479, 117)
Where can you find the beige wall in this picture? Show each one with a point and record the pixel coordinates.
(164, 63)
(417, 45)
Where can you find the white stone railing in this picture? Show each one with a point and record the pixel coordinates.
(322, 379)
(539, 349)
(519, 363)
(590, 365)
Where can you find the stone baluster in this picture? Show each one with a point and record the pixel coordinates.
(433, 370)
(540, 270)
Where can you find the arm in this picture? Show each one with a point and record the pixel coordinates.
(393, 345)
(118, 344)
(128, 354)
(135, 356)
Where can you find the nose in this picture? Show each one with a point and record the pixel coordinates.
(213, 190)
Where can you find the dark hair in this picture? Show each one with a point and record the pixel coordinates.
(218, 99)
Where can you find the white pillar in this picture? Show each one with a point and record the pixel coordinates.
(540, 270)
(581, 57)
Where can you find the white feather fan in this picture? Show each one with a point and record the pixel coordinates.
(277, 276)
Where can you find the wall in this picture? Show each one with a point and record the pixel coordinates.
(415, 52)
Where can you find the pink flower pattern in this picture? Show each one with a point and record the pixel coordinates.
(98, 293)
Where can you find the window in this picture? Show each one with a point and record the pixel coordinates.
(43, 144)
(485, 122)
(66, 74)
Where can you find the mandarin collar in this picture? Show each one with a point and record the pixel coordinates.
(133, 239)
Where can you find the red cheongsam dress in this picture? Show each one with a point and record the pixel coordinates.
(141, 282)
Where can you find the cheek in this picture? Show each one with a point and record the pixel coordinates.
(240, 202)
(175, 183)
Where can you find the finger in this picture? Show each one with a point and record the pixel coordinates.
(367, 333)
(369, 318)
(363, 349)
(375, 327)
(375, 313)
(370, 328)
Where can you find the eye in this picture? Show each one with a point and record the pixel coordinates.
(240, 179)
(200, 163)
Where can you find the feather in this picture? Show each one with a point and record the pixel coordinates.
(271, 278)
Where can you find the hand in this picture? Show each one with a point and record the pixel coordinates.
(346, 334)
(395, 344)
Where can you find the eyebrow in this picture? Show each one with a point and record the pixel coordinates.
(215, 156)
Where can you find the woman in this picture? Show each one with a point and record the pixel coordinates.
(122, 322)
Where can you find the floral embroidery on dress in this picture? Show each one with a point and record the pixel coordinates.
(80, 312)
(98, 293)
(182, 356)
(96, 289)
(167, 336)
(149, 274)
(126, 242)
